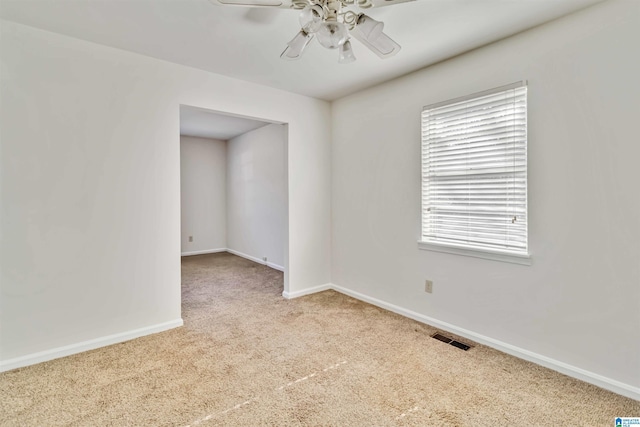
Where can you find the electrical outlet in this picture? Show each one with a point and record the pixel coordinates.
(428, 286)
(264, 258)
(191, 238)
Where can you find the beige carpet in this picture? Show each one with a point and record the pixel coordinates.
(248, 357)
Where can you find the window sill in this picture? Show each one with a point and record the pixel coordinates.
(476, 253)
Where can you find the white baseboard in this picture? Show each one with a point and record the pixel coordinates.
(307, 291)
(208, 251)
(275, 266)
(68, 350)
(564, 368)
(240, 254)
(255, 259)
(246, 256)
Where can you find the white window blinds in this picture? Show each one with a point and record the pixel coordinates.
(474, 171)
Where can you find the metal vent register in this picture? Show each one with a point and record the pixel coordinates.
(450, 341)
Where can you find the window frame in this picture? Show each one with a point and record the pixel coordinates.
(523, 258)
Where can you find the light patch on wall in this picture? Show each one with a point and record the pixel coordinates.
(246, 160)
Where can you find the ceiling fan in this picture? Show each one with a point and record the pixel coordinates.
(333, 23)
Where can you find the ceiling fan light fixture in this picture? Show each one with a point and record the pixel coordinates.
(369, 27)
(311, 18)
(296, 46)
(368, 31)
(383, 45)
(334, 22)
(332, 34)
(346, 53)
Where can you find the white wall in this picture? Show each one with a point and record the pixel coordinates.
(203, 194)
(90, 193)
(257, 193)
(579, 302)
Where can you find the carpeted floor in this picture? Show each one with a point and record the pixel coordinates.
(248, 357)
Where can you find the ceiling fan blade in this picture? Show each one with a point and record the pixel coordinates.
(296, 46)
(367, 4)
(300, 4)
(382, 45)
(261, 15)
(283, 4)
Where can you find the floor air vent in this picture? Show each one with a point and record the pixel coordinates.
(448, 340)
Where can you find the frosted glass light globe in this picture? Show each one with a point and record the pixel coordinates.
(346, 53)
(311, 18)
(332, 34)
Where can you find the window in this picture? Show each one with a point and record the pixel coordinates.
(474, 175)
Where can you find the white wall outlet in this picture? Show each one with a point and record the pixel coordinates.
(428, 286)
(191, 238)
(264, 258)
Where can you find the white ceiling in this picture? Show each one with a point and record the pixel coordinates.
(207, 124)
(246, 43)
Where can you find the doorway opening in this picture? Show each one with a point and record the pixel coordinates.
(234, 187)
